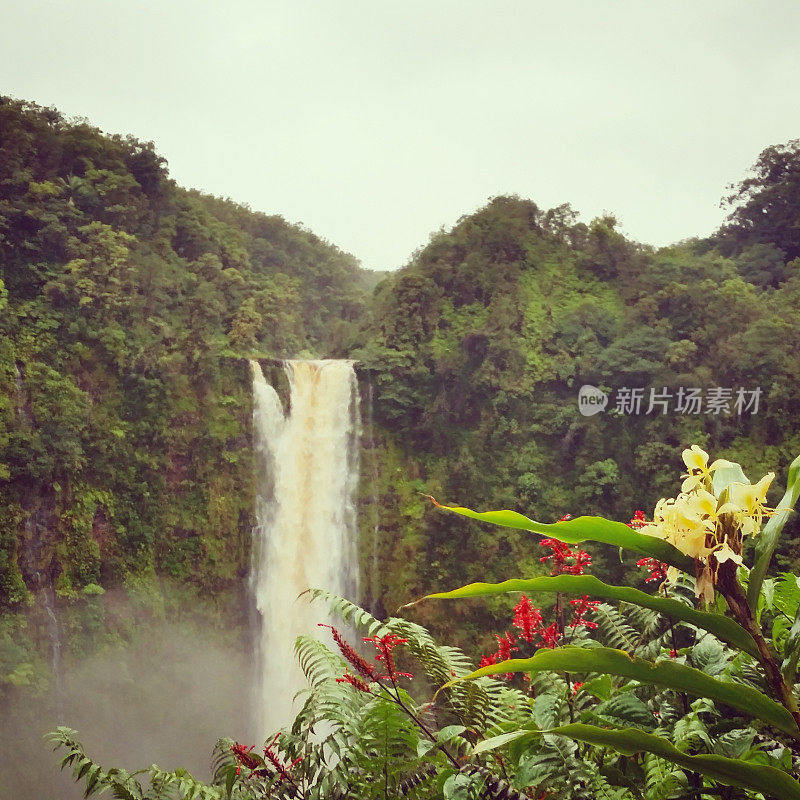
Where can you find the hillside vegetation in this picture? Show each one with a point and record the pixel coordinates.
(127, 305)
(478, 348)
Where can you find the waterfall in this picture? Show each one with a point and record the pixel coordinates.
(307, 474)
(54, 634)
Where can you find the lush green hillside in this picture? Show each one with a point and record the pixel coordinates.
(126, 305)
(477, 351)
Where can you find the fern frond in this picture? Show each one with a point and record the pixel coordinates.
(613, 629)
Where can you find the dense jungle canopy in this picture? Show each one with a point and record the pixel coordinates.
(128, 307)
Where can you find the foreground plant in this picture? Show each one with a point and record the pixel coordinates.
(700, 537)
(650, 699)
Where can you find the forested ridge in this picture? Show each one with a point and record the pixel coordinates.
(478, 348)
(128, 305)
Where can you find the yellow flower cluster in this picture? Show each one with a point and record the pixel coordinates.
(711, 516)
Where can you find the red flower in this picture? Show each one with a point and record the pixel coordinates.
(527, 618)
(562, 552)
(355, 659)
(281, 769)
(550, 636)
(384, 645)
(656, 568)
(506, 646)
(355, 681)
(580, 608)
(242, 754)
(582, 559)
(638, 520)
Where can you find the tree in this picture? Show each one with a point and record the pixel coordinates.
(764, 207)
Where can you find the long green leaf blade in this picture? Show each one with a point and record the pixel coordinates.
(730, 771)
(768, 539)
(584, 529)
(722, 627)
(791, 651)
(662, 673)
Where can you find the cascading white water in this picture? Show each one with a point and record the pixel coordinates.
(307, 474)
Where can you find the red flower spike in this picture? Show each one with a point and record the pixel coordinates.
(506, 646)
(360, 663)
(384, 645)
(527, 618)
(280, 768)
(243, 758)
(550, 636)
(638, 521)
(562, 552)
(355, 681)
(580, 608)
(656, 568)
(576, 687)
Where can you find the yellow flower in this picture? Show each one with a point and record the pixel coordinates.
(696, 460)
(722, 552)
(685, 522)
(748, 503)
(693, 521)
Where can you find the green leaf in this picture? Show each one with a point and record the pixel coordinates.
(617, 778)
(626, 708)
(662, 673)
(585, 529)
(786, 594)
(547, 710)
(494, 742)
(735, 743)
(230, 779)
(791, 652)
(448, 732)
(456, 787)
(708, 655)
(85, 765)
(424, 746)
(767, 540)
(92, 778)
(121, 793)
(600, 687)
(722, 627)
(729, 771)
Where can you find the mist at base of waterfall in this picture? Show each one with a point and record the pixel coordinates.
(164, 698)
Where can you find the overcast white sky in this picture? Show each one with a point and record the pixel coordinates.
(376, 123)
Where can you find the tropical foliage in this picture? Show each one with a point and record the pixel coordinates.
(127, 305)
(653, 698)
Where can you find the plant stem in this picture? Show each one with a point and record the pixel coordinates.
(730, 588)
(395, 697)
